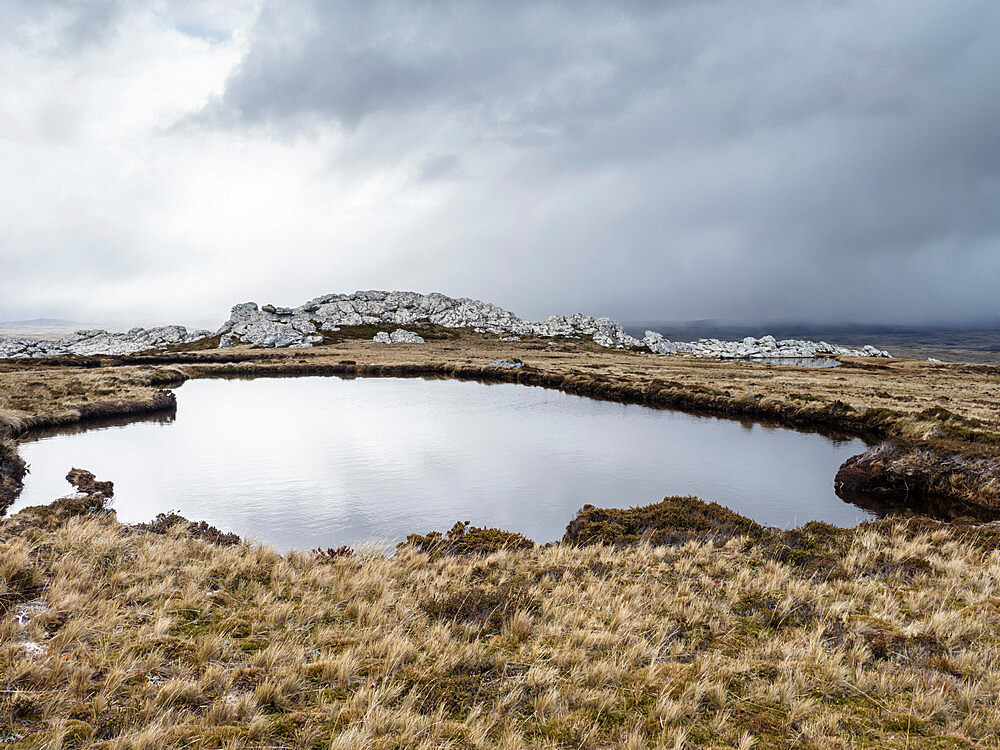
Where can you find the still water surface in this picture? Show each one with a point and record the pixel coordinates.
(307, 462)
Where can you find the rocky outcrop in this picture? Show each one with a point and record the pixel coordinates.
(399, 336)
(281, 326)
(750, 348)
(605, 331)
(277, 327)
(99, 341)
(657, 344)
(269, 327)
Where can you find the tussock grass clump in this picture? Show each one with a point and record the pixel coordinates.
(463, 539)
(166, 523)
(675, 520)
(489, 607)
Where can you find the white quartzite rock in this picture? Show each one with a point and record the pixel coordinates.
(374, 307)
(399, 336)
(261, 326)
(96, 341)
(657, 344)
(763, 348)
(272, 326)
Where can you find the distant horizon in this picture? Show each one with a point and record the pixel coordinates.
(805, 324)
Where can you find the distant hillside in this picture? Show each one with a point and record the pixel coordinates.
(47, 328)
(41, 322)
(51, 329)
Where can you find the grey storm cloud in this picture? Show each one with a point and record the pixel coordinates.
(847, 145)
(675, 159)
(74, 23)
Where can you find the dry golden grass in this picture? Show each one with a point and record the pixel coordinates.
(116, 638)
(889, 636)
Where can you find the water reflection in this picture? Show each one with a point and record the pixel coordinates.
(306, 462)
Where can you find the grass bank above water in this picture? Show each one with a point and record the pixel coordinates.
(717, 634)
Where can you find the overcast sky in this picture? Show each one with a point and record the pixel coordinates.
(832, 160)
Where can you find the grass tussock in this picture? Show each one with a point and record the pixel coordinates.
(119, 637)
(462, 539)
(173, 523)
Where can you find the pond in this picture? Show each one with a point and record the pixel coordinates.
(320, 461)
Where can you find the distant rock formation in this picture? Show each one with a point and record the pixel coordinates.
(89, 342)
(282, 326)
(277, 327)
(751, 348)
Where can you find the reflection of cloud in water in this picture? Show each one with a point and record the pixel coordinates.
(322, 461)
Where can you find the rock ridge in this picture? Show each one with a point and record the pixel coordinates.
(270, 326)
(98, 341)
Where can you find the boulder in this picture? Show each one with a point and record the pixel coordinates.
(657, 344)
(511, 363)
(399, 336)
(266, 327)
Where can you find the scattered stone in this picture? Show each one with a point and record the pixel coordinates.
(399, 336)
(32, 649)
(23, 615)
(510, 338)
(511, 363)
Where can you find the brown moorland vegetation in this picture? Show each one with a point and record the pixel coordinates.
(680, 624)
(728, 636)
